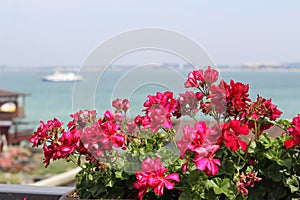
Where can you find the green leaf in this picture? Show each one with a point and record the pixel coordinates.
(222, 186)
(186, 195)
(273, 172)
(121, 175)
(293, 184)
(252, 147)
(277, 192)
(227, 167)
(258, 192)
(266, 140)
(109, 183)
(90, 177)
(97, 189)
(271, 155)
(284, 159)
(194, 176)
(210, 195)
(284, 122)
(114, 193)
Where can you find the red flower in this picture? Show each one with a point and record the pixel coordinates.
(290, 143)
(210, 76)
(237, 98)
(72, 136)
(103, 134)
(153, 176)
(231, 133)
(108, 116)
(296, 120)
(232, 99)
(188, 103)
(125, 105)
(40, 135)
(185, 167)
(111, 129)
(199, 78)
(243, 191)
(60, 147)
(192, 139)
(186, 140)
(142, 120)
(95, 141)
(294, 132)
(164, 100)
(56, 142)
(247, 181)
(193, 78)
(218, 98)
(131, 127)
(141, 185)
(158, 118)
(204, 160)
(206, 107)
(120, 104)
(82, 118)
(198, 136)
(46, 131)
(261, 109)
(117, 103)
(118, 141)
(201, 141)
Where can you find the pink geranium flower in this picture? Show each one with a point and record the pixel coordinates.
(166, 100)
(120, 104)
(200, 77)
(158, 118)
(153, 175)
(210, 76)
(188, 103)
(193, 78)
(205, 160)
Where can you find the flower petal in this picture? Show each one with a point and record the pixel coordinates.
(201, 163)
(169, 185)
(173, 176)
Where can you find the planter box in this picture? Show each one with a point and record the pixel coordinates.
(13, 192)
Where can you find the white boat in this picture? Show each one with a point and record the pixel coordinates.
(62, 77)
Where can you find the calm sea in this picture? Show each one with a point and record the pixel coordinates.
(47, 100)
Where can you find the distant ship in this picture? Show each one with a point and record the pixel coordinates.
(62, 77)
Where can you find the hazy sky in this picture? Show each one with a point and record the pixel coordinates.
(63, 32)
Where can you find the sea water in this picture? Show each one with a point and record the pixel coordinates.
(47, 100)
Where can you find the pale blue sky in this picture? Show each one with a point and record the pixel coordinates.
(63, 32)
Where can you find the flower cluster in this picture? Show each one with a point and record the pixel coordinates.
(158, 111)
(153, 176)
(230, 135)
(56, 142)
(294, 132)
(197, 141)
(201, 78)
(247, 182)
(233, 157)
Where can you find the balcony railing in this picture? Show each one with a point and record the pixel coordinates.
(42, 190)
(29, 192)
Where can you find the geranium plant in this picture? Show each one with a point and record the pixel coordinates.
(145, 157)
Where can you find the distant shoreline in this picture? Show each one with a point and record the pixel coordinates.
(44, 69)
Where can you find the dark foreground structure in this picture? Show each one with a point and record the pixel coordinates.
(27, 192)
(12, 107)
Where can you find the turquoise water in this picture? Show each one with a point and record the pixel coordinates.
(48, 100)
